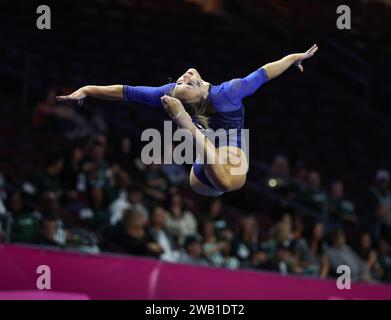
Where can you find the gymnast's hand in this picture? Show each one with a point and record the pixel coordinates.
(78, 96)
(173, 106)
(300, 57)
(177, 112)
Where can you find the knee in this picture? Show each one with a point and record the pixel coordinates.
(224, 184)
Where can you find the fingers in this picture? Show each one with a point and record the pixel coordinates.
(168, 100)
(62, 98)
(70, 98)
(308, 54)
(66, 98)
(164, 100)
(314, 46)
(299, 66)
(313, 49)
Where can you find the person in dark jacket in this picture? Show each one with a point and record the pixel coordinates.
(130, 236)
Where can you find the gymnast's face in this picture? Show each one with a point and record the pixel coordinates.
(189, 87)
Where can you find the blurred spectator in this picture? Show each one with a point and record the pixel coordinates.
(120, 183)
(283, 261)
(214, 212)
(368, 254)
(297, 227)
(299, 244)
(181, 222)
(49, 204)
(379, 206)
(96, 166)
(177, 174)
(48, 179)
(340, 210)
(100, 139)
(299, 182)
(134, 200)
(82, 240)
(260, 260)
(25, 225)
(314, 197)
(157, 183)
(279, 178)
(129, 236)
(385, 260)
(123, 154)
(49, 233)
(126, 159)
(246, 243)
(281, 231)
(192, 253)
(95, 216)
(317, 261)
(72, 176)
(341, 254)
(157, 231)
(214, 249)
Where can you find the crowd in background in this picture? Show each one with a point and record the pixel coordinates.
(98, 196)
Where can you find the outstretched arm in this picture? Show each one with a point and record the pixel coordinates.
(237, 89)
(274, 69)
(147, 95)
(114, 92)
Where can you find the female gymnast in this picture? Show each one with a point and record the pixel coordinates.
(196, 105)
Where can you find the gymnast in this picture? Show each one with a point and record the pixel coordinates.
(196, 105)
